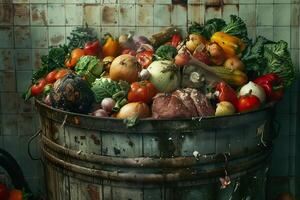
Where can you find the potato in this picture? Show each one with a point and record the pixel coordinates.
(234, 63)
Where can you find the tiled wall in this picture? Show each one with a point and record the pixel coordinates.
(29, 27)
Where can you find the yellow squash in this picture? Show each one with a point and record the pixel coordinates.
(232, 45)
(232, 77)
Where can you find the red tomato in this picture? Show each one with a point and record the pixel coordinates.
(142, 91)
(38, 88)
(3, 191)
(248, 102)
(15, 195)
(50, 78)
(144, 58)
(61, 73)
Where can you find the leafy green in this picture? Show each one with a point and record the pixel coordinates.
(266, 56)
(236, 27)
(105, 87)
(80, 36)
(166, 52)
(210, 27)
(90, 67)
(54, 60)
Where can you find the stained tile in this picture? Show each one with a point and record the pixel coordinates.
(196, 1)
(6, 14)
(36, 55)
(127, 29)
(264, 15)
(38, 1)
(91, 14)
(127, 15)
(231, 2)
(266, 31)
(162, 1)
(9, 103)
(10, 124)
(179, 15)
(72, 13)
(109, 14)
(56, 36)
(146, 31)
(23, 81)
(7, 81)
(21, 14)
(7, 59)
(162, 19)
(211, 12)
(229, 10)
(128, 1)
(295, 11)
(247, 13)
(295, 37)
(19, 1)
(6, 35)
(23, 59)
(39, 14)
(113, 30)
(56, 14)
(22, 37)
(141, 18)
(282, 14)
(39, 37)
(196, 13)
(282, 33)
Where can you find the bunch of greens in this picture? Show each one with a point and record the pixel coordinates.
(90, 67)
(265, 56)
(235, 27)
(105, 87)
(165, 52)
(80, 36)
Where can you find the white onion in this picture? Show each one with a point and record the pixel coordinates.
(254, 89)
(107, 104)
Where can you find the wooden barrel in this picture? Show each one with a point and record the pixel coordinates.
(178, 159)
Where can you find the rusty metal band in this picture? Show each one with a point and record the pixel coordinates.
(182, 175)
(144, 162)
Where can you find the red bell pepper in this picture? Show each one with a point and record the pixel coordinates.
(272, 85)
(144, 58)
(176, 39)
(226, 93)
(92, 48)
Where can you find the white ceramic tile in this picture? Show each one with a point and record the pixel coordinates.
(22, 37)
(179, 15)
(282, 1)
(247, 1)
(146, 31)
(266, 31)
(295, 37)
(38, 1)
(248, 14)
(196, 13)
(39, 37)
(74, 13)
(282, 14)
(21, 14)
(91, 14)
(264, 14)
(162, 1)
(23, 80)
(282, 33)
(127, 15)
(211, 12)
(231, 1)
(144, 15)
(38, 14)
(56, 14)
(56, 36)
(264, 1)
(196, 1)
(19, 1)
(145, 1)
(162, 15)
(56, 1)
(109, 15)
(112, 30)
(229, 10)
(295, 13)
(128, 1)
(127, 30)
(23, 59)
(6, 35)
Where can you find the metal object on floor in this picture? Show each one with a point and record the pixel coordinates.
(216, 158)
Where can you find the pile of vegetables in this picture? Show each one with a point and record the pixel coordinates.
(215, 70)
(12, 194)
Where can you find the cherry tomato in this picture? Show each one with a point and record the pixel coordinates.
(50, 78)
(145, 58)
(61, 73)
(38, 88)
(92, 48)
(15, 195)
(142, 91)
(248, 102)
(3, 191)
(76, 54)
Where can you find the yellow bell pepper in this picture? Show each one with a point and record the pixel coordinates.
(232, 45)
(110, 47)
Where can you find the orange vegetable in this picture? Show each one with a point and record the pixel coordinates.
(111, 47)
(232, 45)
(15, 195)
(61, 73)
(76, 54)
